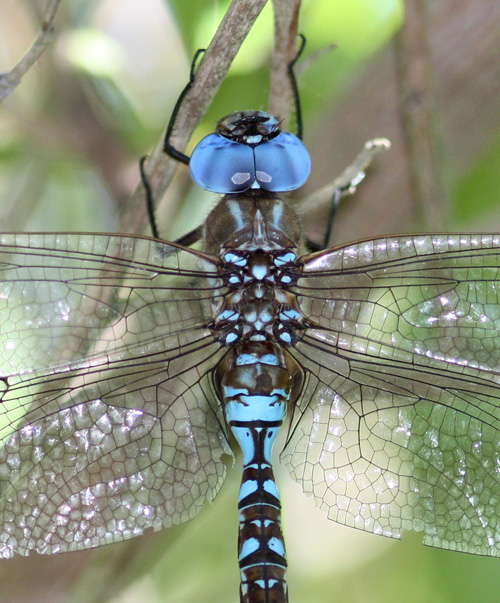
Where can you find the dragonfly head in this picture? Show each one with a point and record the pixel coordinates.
(249, 151)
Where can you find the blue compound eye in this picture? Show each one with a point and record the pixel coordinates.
(282, 163)
(220, 165)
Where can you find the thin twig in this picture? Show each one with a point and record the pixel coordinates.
(346, 183)
(10, 81)
(160, 169)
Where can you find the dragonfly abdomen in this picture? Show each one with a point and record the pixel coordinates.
(256, 389)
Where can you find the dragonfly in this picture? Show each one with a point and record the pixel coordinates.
(132, 368)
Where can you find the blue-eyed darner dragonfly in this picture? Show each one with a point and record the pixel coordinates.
(126, 362)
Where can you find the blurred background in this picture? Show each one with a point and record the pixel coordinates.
(100, 98)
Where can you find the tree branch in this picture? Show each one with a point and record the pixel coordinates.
(286, 23)
(10, 81)
(210, 73)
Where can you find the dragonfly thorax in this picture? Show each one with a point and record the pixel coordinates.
(258, 240)
(257, 220)
(260, 306)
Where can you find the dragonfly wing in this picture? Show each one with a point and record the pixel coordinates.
(399, 423)
(109, 421)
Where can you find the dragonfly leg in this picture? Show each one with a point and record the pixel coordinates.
(149, 198)
(169, 150)
(295, 89)
(167, 147)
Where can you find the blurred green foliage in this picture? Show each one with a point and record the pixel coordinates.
(480, 184)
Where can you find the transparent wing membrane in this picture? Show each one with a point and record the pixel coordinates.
(399, 423)
(109, 420)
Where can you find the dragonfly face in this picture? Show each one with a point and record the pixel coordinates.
(125, 361)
